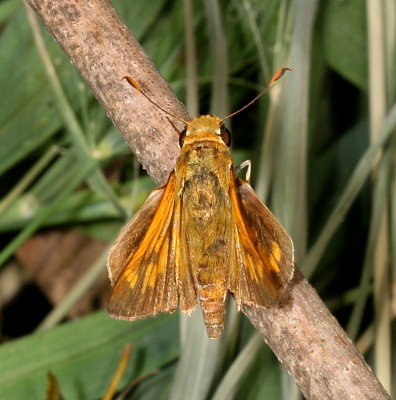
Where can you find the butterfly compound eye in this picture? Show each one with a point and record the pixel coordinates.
(225, 135)
(182, 136)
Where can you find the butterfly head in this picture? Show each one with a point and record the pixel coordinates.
(205, 128)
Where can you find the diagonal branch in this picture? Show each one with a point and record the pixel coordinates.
(314, 348)
(302, 333)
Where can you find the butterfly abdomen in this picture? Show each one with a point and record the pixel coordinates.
(211, 291)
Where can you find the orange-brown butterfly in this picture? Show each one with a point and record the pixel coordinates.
(202, 235)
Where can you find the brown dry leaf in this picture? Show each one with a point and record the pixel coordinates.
(56, 260)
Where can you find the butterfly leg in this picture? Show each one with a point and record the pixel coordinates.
(246, 164)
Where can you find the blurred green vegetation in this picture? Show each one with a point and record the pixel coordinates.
(50, 179)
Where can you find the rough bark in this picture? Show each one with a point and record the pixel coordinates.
(303, 334)
(314, 348)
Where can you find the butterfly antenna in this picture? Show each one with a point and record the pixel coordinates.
(278, 74)
(135, 85)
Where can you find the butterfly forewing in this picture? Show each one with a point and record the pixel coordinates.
(263, 250)
(144, 261)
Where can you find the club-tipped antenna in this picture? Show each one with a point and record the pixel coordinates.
(135, 85)
(278, 74)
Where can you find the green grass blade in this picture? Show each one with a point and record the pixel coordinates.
(227, 387)
(358, 178)
(83, 356)
(42, 214)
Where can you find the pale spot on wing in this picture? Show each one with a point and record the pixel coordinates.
(276, 251)
(275, 255)
(147, 278)
(132, 279)
(163, 257)
(273, 262)
(153, 277)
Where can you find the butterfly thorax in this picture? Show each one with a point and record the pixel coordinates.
(203, 172)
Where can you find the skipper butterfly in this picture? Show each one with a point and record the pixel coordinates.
(202, 235)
